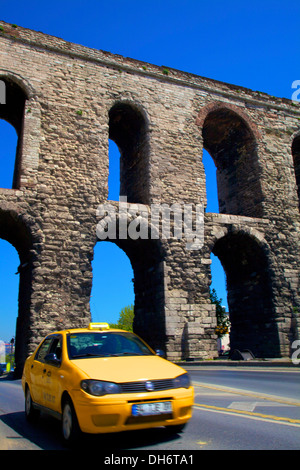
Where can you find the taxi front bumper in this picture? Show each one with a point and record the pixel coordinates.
(113, 413)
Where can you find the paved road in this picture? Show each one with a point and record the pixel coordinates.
(247, 409)
(234, 409)
(284, 382)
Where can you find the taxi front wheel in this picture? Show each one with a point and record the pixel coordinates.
(30, 412)
(70, 427)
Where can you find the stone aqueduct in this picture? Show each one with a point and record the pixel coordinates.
(65, 102)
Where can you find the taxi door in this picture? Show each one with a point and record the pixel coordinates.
(51, 375)
(36, 371)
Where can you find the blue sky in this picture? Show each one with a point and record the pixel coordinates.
(252, 44)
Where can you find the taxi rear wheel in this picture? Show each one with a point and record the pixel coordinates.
(69, 423)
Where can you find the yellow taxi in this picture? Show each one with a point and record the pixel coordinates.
(103, 380)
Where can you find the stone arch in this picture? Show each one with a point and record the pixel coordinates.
(9, 140)
(112, 281)
(146, 256)
(13, 113)
(20, 231)
(244, 255)
(231, 140)
(22, 111)
(128, 128)
(20, 81)
(219, 105)
(296, 161)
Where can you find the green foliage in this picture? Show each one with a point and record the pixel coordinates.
(125, 321)
(223, 322)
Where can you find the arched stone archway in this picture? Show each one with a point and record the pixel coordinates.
(16, 231)
(13, 112)
(146, 256)
(250, 296)
(232, 144)
(129, 130)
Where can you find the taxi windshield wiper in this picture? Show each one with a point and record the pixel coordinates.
(78, 356)
(129, 353)
(125, 353)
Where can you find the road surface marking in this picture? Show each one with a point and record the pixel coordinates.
(246, 393)
(251, 405)
(245, 413)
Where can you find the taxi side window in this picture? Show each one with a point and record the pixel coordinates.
(43, 350)
(56, 347)
(53, 344)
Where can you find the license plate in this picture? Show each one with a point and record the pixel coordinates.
(148, 409)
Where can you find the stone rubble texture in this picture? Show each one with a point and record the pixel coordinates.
(66, 102)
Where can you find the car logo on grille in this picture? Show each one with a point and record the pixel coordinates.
(149, 386)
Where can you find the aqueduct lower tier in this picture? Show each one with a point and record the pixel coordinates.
(65, 102)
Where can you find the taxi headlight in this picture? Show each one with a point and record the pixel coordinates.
(99, 387)
(182, 381)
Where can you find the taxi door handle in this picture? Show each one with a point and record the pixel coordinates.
(48, 373)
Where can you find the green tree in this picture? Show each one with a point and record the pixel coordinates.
(223, 322)
(125, 321)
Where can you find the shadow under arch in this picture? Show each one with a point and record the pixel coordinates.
(16, 230)
(232, 143)
(296, 161)
(250, 298)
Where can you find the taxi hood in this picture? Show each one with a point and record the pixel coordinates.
(127, 368)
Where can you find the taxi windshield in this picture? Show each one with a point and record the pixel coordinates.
(105, 344)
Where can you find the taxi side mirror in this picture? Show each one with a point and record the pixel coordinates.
(160, 353)
(52, 359)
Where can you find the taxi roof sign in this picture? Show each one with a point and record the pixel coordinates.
(98, 326)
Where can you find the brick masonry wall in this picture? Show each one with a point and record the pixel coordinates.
(63, 171)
